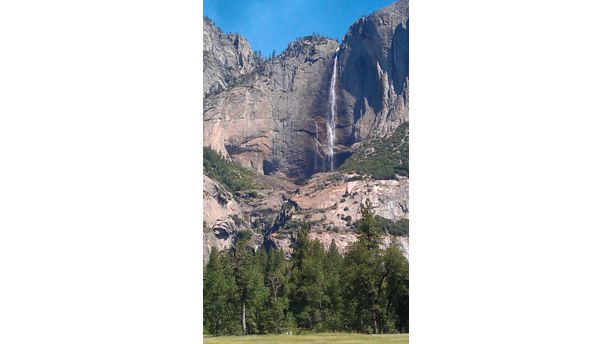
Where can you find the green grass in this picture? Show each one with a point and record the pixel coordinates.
(323, 338)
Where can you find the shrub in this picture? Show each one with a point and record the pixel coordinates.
(233, 176)
(246, 235)
(381, 158)
(396, 228)
(237, 220)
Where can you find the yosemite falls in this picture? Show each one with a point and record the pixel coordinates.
(331, 116)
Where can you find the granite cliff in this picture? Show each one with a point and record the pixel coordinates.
(228, 58)
(273, 120)
(271, 116)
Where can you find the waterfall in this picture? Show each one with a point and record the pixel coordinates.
(316, 147)
(331, 116)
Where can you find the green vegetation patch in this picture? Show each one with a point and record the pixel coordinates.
(397, 228)
(258, 292)
(233, 176)
(382, 158)
(323, 338)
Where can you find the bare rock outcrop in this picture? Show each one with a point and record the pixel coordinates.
(228, 58)
(231, 216)
(334, 201)
(275, 121)
(330, 203)
(373, 72)
(219, 207)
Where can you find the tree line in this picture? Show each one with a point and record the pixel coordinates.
(366, 290)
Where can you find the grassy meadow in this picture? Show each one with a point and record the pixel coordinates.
(321, 338)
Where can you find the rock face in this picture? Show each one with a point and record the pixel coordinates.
(271, 122)
(273, 119)
(329, 202)
(219, 207)
(228, 216)
(271, 115)
(374, 72)
(227, 59)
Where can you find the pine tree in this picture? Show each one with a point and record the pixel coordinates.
(369, 229)
(364, 277)
(333, 271)
(397, 287)
(308, 295)
(261, 258)
(261, 311)
(250, 288)
(277, 282)
(359, 288)
(220, 316)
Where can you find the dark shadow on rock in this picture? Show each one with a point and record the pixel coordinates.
(398, 58)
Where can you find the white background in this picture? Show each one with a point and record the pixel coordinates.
(100, 171)
(510, 167)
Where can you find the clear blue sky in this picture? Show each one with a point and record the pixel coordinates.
(272, 24)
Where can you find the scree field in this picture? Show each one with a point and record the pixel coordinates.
(333, 338)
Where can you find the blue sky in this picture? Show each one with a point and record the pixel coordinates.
(272, 24)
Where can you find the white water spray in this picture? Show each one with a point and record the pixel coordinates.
(316, 146)
(331, 116)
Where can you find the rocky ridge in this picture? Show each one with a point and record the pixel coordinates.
(228, 59)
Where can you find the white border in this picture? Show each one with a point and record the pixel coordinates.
(510, 172)
(101, 177)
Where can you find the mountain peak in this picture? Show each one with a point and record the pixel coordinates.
(309, 46)
(227, 58)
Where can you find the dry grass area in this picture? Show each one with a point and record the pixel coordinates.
(322, 338)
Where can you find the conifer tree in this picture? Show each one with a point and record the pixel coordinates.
(369, 229)
(364, 277)
(308, 295)
(277, 282)
(250, 288)
(261, 311)
(261, 258)
(333, 271)
(397, 287)
(220, 313)
(359, 288)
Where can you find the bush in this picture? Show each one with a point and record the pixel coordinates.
(244, 235)
(252, 194)
(237, 220)
(396, 228)
(382, 158)
(233, 176)
(348, 219)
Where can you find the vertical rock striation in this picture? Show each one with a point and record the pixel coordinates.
(274, 122)
(374, 73)
(228, 58)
